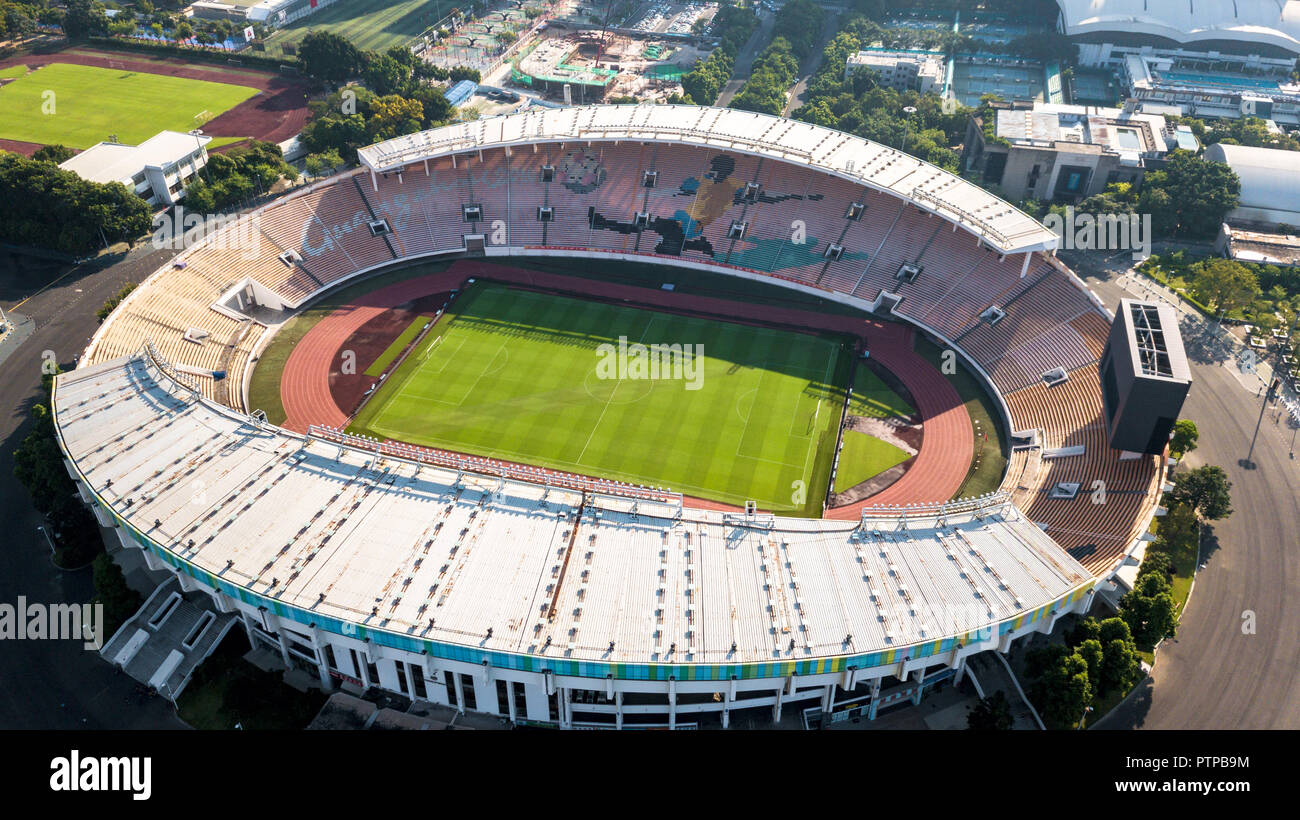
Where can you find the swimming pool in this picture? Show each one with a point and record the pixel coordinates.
(1221, 81)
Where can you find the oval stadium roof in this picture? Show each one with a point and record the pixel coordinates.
(999, 223)
(356, 538)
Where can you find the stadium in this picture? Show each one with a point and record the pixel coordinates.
(438, 547)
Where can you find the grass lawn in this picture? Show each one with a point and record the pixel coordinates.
(518, 375)
(91, 103)
(991, 449)
(376, 369)
(864, 457)
(874, 399)
(371, 25)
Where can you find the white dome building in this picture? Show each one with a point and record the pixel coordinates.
(1270, 179)
(1274, 23)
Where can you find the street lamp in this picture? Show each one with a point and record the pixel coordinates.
(1084, 716)
(907, 127)
(197, 133)
(47, 539)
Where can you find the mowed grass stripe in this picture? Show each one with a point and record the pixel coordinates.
(91, 103)
(539, 401)
(376, 368)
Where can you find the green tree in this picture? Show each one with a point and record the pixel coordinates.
(1224, 285)
(1149, 610)
(1199, 193)
(1121, 666)
(119, 600)
(1206, 490)
(1065, 691)
(84, 18)
(53, 153)
(1184, 438)
(385, 75)
(329, 56)
(992, 713)
(1158, 562)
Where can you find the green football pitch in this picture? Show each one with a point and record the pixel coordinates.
(520, 376)
(371, 25)
(78, 105)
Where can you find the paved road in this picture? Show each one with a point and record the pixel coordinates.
(55, 684)
(1211, 675)
(745, 60)
(795, 98)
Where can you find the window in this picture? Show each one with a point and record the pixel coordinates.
(417, 681)
(467, 686)
(401, 676)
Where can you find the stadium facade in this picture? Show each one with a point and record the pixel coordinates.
(581, 602)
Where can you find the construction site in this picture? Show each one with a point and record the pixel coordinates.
(597, 66)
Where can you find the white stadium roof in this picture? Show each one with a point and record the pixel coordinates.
(343, 534)
(1000, 224)
(1271, 22)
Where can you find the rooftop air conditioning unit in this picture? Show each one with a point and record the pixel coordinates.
(1055, 376)
(993, 315)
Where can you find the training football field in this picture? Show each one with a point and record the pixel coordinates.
(521, 376)
(78, 106)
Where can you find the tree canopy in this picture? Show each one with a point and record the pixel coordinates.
(1206, 490)
(45, 206)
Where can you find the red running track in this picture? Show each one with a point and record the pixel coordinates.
(947, 443)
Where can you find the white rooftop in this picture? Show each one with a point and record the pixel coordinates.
(996, 221)
(1272, 22)
(1085, 125)
(114, 162)
(502, 565)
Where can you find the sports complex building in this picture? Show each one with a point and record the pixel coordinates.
(577, 600)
